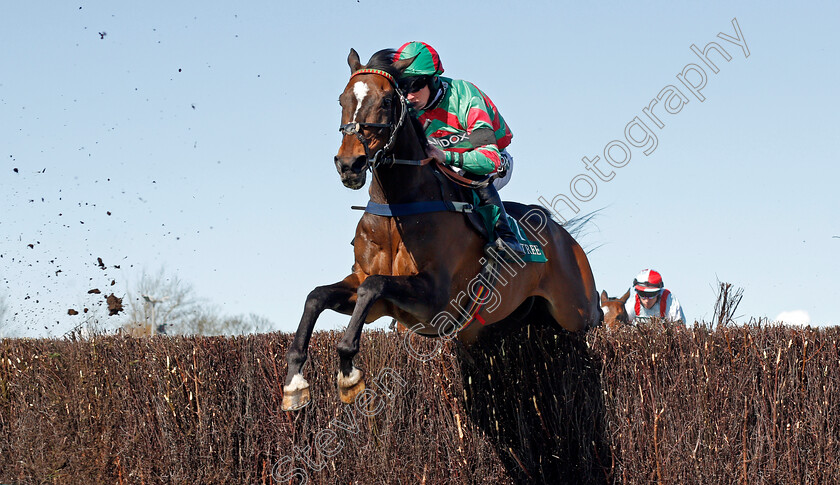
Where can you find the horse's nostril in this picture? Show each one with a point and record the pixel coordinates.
(359, 164)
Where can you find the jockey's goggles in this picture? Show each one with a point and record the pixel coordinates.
(413, 84)
(648, 294)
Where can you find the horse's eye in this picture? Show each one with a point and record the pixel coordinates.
(386, 103)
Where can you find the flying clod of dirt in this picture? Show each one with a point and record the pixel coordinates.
(115, 305)
(72, 312)
(101, 264)
(94, 291)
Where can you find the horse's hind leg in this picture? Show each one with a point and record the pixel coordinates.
(338, 297)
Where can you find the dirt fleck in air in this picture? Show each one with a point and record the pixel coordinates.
(72, 312)
(115, 305)
(94, 291)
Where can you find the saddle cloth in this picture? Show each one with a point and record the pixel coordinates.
(489, 214)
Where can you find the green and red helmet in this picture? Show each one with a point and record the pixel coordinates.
(427, 62)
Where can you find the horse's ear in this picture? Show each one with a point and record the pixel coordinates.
(353, 61)
(625, 296)
(403, 64)
(604, 297)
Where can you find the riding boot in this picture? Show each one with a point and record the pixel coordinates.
(505, 238)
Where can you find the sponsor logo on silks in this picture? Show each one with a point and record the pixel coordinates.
(445, 142)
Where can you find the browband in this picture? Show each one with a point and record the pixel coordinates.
(376, 71)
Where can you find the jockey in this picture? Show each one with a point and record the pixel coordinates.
(652, 299)
(464, 128)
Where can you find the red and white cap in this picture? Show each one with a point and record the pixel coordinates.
(648, 281)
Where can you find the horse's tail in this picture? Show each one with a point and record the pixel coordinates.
(577, 227)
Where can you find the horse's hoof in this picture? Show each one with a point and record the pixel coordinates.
(348, 394)
(294, 400)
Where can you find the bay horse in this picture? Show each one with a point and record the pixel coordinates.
(615, 313)
(410, 265)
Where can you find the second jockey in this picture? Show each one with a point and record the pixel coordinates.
(651, 299)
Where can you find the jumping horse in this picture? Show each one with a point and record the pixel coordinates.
(409, 264)
(615, 313)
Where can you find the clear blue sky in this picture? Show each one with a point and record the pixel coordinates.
(207, 130)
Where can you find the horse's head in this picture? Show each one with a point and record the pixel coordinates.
(372, 111)
(615, 313)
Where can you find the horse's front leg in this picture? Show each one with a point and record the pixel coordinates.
(338, 297)
(415, 294)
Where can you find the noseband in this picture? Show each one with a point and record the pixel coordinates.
(355, 128)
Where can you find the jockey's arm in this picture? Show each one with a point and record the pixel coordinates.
(484, 157)
(630, 307)
(676, 311)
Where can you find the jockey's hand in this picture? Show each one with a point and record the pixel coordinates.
(436, 153)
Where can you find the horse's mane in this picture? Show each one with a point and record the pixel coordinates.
(384, 61)
(418, 130)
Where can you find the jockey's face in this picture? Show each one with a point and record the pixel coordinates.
(419, 99)
(648, 301)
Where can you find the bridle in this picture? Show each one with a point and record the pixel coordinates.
(355, 128)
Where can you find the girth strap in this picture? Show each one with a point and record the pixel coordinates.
(412, 208)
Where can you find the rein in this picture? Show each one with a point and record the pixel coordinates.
(459, 179)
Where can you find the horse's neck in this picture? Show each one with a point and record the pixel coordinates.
(405, 183)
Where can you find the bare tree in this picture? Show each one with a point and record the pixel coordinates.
(170, 300)
(241, 325)
(210, 322)
(171, 305)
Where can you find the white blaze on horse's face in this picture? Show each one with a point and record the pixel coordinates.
(360, 89)
(606, 310)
